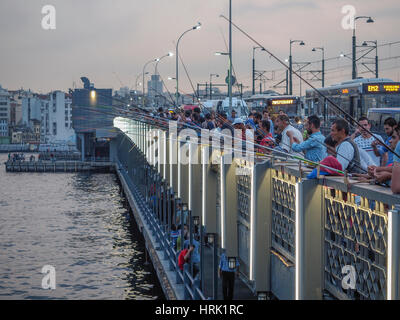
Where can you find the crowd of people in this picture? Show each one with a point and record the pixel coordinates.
(360, 154)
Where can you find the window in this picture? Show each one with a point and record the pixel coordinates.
(54, 128)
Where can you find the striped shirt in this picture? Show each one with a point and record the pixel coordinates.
(366, 144)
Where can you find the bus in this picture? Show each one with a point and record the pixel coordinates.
(355, 97)
(239, 105)
(291, 105)
(377, 117)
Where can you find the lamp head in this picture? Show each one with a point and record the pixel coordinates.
(198, 26)
(370, 20)
(170, 54)
(302, 43)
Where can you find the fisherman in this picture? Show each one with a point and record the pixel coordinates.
(347, 152)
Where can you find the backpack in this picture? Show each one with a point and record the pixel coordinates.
(355, 163)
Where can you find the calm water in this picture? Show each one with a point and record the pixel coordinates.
(76, 223)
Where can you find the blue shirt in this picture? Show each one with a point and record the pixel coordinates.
(397, 150)
(271, 129)
(195, 253)
(383, 150)
(174, 236)
(251, 123)
(314, 147)
(224, 265)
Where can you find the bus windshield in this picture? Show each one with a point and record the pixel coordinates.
(377, 118)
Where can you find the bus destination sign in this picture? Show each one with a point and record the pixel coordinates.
(382, 88)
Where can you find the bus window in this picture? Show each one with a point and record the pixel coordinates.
(375, 120)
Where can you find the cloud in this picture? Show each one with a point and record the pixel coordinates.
(99, 37)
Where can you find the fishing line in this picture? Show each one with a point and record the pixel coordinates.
(308, 83)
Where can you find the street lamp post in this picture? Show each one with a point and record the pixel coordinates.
(153, 60)
(169, 54)
(354, 69)
(323, 63)
(301, 42)
(177, 55)
(211, 75)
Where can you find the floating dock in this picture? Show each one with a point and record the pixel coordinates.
(58, 166)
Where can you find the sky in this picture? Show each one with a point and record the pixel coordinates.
(110, 41)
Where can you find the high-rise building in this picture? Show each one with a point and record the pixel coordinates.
(154, 86)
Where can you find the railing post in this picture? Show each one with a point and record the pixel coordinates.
(262, 224)
(215, 267)
(393, 254)
(178, 277)
(186, 281)
(309, 235)
(229, 207)
(299, 242)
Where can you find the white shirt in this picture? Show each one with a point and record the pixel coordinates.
(285, 142)
(344, 154)
(366, 145)
(365, 159)
(249, 139)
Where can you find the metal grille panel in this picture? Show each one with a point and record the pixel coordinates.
(283, 213)
(355, 235)
(243, 183)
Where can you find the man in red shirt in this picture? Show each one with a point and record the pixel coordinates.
(184, 256)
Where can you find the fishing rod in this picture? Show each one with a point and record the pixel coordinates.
(308, 83)
(258, 129)
(261, 155)
(151, 118)
(235, 138)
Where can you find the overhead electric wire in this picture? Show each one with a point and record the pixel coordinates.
(318, 91)
(219, 134)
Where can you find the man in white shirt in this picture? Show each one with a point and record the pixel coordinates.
(365, 140)
(347, 152)
(283, 125)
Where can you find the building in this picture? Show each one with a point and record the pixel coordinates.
(56, 119)
(123, 92)
(92, 119)
(16, 97)
(154, 86)
(4, 116)
(32, 106)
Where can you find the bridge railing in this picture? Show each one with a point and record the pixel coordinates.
(159, 206)
(295, 238)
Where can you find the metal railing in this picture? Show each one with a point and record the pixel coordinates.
(152, 210)
(317, 228)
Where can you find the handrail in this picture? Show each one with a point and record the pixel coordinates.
(191, 288)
